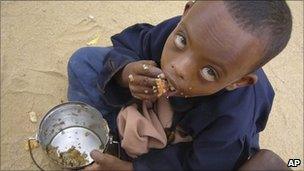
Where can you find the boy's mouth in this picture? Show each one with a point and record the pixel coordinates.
(171, 86)
(164, 87)
(172, 91)
(170, 81)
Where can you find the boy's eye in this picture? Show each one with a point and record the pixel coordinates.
(180, 41)
(208, 73)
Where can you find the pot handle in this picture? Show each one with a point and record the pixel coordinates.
(112, 147)
(31, 153)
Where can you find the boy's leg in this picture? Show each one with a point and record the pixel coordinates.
(83, 70)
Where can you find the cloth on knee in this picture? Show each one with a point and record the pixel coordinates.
(140, 132)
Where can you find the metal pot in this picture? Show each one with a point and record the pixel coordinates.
(73, 125)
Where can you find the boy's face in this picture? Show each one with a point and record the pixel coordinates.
(208, 51)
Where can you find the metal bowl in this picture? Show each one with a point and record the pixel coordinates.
(73, 124)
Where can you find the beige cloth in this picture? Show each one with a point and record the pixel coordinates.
(141, 131)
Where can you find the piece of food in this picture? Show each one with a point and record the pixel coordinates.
(70, 158)
(33, 117)
(94, 41)
(91, 17)
(131, 78)
(162, 86)
(33, 143)
(171, 87)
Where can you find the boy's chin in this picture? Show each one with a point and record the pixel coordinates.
(172, 94)
(178, 94)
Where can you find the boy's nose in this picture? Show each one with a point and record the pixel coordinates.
(178, 71)
(181, 66)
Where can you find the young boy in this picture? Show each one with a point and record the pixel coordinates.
(213, 56)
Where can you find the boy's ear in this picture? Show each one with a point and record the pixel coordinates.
(247, 80)
(187, 7)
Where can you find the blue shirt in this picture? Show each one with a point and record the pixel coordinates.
(224, 126)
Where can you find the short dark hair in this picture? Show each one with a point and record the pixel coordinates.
(271, 18)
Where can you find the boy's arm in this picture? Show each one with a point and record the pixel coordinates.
(138, 42)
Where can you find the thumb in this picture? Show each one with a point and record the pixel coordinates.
(150, 62)
(97, 156)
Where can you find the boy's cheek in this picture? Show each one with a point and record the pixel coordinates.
(165, 57)
(199, 89)
(168, 51)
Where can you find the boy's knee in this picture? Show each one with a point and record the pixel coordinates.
(86, 60)
(265, 160)
(78, 57)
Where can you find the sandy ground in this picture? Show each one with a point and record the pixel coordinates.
(37, 39)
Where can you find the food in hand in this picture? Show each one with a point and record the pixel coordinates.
(162, 86)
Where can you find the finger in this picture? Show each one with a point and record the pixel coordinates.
(148, 68)
(145, 96)
(149, 62)
(143, 90)
(97, 156)
(94, 166)
(102, 158)
(151, 71)
(141, 97)
(143, 81)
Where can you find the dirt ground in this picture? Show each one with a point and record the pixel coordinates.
(37, 39)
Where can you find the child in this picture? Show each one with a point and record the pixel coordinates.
(212, 55)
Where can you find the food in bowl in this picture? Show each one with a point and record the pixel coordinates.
(70, 158)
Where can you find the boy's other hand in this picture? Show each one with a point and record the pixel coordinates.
(140, 77)
(107, 162)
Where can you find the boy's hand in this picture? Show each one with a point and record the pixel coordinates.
(140, 78)
(108, 162)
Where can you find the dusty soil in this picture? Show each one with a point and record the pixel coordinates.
(37, 39)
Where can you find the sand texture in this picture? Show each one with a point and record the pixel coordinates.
(37, 39)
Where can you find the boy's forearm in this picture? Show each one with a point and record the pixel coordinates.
(128, 166)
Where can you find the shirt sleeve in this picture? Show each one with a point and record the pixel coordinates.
(138, 42)
(204, 153)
